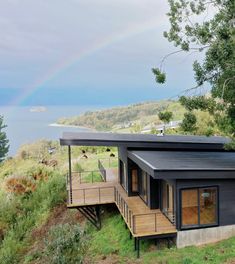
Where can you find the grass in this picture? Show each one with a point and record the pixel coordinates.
(112, 240)
(25, 213)
(215, 253)
(112, 243)
(20, 215)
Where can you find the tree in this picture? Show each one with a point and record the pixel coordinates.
(165, 116)
(208, 27)
(189, 122)
(4, 146)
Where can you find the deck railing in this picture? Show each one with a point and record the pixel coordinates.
(124, 208)
(143, 222)
(111, 162)
(87, 176)
(102, 170)
(170, 215)
(97, 195)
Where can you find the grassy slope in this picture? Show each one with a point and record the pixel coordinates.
(112, 245)
(28, 223)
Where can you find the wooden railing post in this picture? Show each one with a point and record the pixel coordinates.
(133, 224)
(155, 222)
(114, 193)
(99, 194)
(130, 218)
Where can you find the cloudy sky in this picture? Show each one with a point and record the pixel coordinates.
(86, 52)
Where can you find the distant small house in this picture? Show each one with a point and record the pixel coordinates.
(180, 187)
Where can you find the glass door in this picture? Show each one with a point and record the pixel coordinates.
(168, 200)
(121, 169)
(134, 180)
(199, 207)
(143, 186)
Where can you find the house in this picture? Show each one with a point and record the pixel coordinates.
(180, 187)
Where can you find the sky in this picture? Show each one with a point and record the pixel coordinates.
(87, 52)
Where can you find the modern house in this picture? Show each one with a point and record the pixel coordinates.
(169, 186)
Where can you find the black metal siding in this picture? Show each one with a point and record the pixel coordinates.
(154, 193)
(122, 153)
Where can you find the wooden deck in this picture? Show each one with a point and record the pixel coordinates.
(141, 221)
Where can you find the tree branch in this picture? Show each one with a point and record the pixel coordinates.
(178, 51)
(224, 85)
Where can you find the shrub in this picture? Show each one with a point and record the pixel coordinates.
(40, 173)
(64, 244)
(20, 184)
(25, 212)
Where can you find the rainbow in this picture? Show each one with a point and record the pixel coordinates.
(129, 31)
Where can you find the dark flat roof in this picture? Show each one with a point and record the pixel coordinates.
(137, 140)
(155, 162)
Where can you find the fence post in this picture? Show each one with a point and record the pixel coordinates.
(70, 174)
(92, 176)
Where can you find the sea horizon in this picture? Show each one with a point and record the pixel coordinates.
(25, 126)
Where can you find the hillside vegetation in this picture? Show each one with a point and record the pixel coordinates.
(36, 227)
(125, 118)
(143, 117)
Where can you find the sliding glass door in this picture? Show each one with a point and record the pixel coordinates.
(143, 186)
(122, 174)
(134, 180)
(199, 207)
(168, 200)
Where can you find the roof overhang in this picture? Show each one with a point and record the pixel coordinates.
(185, 164)
(143, 141)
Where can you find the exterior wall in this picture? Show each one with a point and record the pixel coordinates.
(226, 198)
(202, 236)
(122, 153)
(154, 193)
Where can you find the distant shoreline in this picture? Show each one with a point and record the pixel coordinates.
(74, 126)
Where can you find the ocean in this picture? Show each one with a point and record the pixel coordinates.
(26, 126)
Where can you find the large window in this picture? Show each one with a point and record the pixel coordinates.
(143, 186)
(134, 180)
(199, 207)
(122, 174)
(168, 200)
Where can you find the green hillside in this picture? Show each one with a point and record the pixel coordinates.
(36, 227)
(126, 118)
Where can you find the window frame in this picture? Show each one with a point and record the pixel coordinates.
(131, 180)
(168, 186)
(197, 226)
(141, 186)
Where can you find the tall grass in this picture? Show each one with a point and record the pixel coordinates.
(27, 212)
(112, 239)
